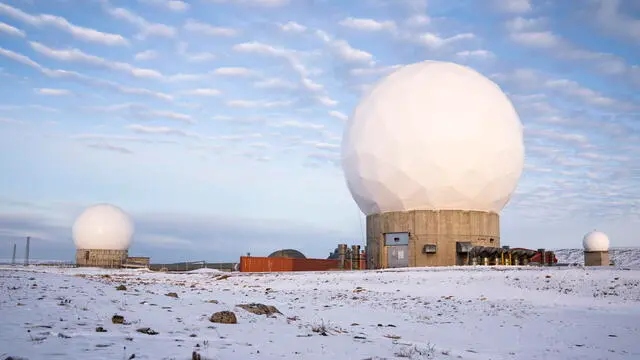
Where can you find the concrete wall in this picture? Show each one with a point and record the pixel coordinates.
(443, 228)
(596, 258)
(101, 258)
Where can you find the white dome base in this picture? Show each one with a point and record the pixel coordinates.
(596, 258)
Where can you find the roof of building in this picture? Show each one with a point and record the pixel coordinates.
(288, 253)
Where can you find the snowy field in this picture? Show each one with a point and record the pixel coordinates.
(452, 313)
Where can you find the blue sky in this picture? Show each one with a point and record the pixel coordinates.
(216, 123)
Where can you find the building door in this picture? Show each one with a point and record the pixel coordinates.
(397, 245)
(397, 256)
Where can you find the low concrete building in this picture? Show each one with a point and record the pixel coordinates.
(101, 258)
(139, 260)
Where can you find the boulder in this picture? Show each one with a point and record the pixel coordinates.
(259, 309)
(224, 317)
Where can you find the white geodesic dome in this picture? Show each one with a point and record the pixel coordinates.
(595, 241)
(103, 227)
(433, 136)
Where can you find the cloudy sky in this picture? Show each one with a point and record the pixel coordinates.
(217, 123)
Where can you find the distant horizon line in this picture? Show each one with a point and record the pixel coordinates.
(20, 261)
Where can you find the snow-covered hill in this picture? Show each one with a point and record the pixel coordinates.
(622, 257)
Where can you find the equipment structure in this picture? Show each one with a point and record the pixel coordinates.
(103, 234)
(431, 155)
(596, 249)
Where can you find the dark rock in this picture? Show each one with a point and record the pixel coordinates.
(259, 309)
(224, 317)
(147, 331)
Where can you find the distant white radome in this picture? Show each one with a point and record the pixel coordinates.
(103, 227)
(595, 241)
(433, 136)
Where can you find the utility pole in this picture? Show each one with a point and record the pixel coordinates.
(26, 256)
(13, 257)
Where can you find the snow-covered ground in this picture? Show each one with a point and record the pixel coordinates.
(444, 313)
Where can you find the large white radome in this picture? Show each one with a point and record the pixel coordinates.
(595, 241)
(433, 136)
(103, 227)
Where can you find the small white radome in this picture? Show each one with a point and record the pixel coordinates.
(103, 227)
(433, 136)
(595, 241)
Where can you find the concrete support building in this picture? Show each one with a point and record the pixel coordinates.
(428, 238)
(596, 249)
(431, 155)
(101, 258)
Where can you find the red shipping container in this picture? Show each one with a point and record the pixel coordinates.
(266, 264)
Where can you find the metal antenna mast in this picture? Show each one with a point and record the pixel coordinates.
(26, 256)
